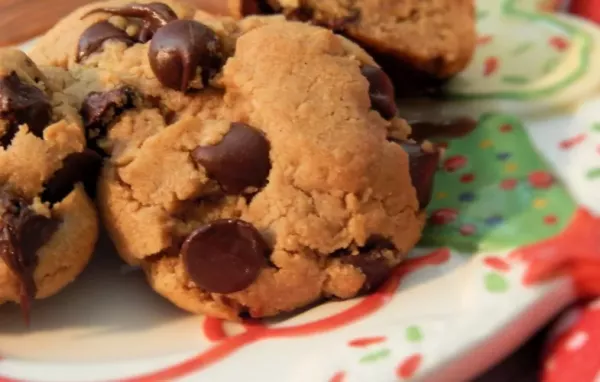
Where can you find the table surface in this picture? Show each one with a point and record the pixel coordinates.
(21, 20)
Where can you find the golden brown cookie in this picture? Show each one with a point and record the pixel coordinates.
(254, 166)
(418, 43)
(48, 225)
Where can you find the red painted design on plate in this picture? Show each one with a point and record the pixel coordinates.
(467, 178)
(559, 43)
(541, 179)
(572, 142)
(213, 329)
(485, 39)
(490, 66)
(575, 252)
(509, 184)
(443, 216)
(467, 229)
(550, 219)
(497, 263)
(408, 367)
(455, 162)
(256, 331)
(340, 376)
(367, 341)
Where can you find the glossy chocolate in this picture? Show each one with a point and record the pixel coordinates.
(225, 256)
(180, 49)
(239, 161)
(22, 103)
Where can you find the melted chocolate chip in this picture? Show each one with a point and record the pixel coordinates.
(225, 256)
(99, 109)
(239, 161)
(22, 103)
(453, 128)
(22, 234)
(93, 38)
(153, 16)
(77, 167)
(371, 263)
(182, 47)
(381, 91)
(422, 165)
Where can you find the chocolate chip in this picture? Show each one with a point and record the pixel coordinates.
(99, 109)
(76, 167)
(225, 256)
(371, 263)
(239, 161)
(182, 47)
(153, 16)
(22, 234)
(422, 165)
(22, 103)
(93, 38)
(381, 91)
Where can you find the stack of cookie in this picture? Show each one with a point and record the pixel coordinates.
(250, 165)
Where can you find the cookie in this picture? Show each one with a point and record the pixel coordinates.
(419, 43)
(253, 167)
(48, 225)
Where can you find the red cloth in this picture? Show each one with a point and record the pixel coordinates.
(589, 9)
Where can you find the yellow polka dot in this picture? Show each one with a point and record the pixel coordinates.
(510, 167)
(486, 143)
(540, 203)
(441, 195)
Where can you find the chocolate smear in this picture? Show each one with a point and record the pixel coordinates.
(22, 103)
(76, 167)
(22, 234)
(152, 16)
(100, 109)
(93, 38)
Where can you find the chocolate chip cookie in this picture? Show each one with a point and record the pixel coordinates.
(418, 43)
(252, 167)
(48, 225)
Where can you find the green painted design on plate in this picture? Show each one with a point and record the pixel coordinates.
(550, 65)
(495, 283)
(522, 48)
(376, 356)
(515, 80)
(593, 174)
(414, 334)
(596, 127)
(495, 192)
(510, 9)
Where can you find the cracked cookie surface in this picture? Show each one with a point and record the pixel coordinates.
(419, 43)
(48, 225)
(253, 170)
